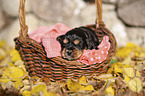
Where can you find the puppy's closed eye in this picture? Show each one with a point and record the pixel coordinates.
(65, 41)
(76, 41)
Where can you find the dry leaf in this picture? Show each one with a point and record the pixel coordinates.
(76, 86)
(139, 66)
(128, 71)
(41, 89)
(11, 64)
(83, 80)
(19, 83)
(127, 60)
(87, 88)
(13, 73)
(4, 80)
(109, 91)
(37, 88)
(135, 84)
(116, 67)
(123, 52)
(26, 93)
(15, 56)
(73, 85)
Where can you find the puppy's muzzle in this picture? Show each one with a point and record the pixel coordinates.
(73, 54)
(69, 52)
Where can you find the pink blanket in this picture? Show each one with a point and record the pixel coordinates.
(96, 56)
(47, 35)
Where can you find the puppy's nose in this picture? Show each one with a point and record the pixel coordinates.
(69, 52)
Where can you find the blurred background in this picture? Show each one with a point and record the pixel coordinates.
(125, 18)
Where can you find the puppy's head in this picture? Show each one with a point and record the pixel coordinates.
(74, 42)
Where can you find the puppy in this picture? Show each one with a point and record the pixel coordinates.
(75, 41)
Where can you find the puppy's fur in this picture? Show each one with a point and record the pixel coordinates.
(76, 40)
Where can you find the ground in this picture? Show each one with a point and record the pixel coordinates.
(124, 77)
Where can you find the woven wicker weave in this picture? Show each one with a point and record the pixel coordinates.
(58, 69)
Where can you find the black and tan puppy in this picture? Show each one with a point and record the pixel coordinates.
(76, 40)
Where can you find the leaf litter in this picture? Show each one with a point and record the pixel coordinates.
(125, 76)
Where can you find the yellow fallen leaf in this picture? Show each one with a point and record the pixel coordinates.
(13, 73)
(123, 52)
(2, 70)
(126, 77)
(130, 48)
(11, 64)
(26, 93)
(39, 88)
(140, 51)
(116, 67)
(136, 53)
(137, 73)
(18, 83)
(88, 88)
(73, 85)
(129, 72)
(76, 86)
(130, 45)
(83, 80)
(4, 80)
(135, 84)
(109, 90)
(127, 60)
(139, 67)
(142, 54)
(51, 94)
(15, 56)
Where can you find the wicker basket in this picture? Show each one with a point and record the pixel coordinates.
(58, 69)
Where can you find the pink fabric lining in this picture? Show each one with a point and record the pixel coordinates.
(96, 56)
(47, 35)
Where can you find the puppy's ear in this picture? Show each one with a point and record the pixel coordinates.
(60, 38)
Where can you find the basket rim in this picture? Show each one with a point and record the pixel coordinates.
(61, 61)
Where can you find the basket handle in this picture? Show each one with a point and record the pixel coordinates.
(23, 27)
(99, 13)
